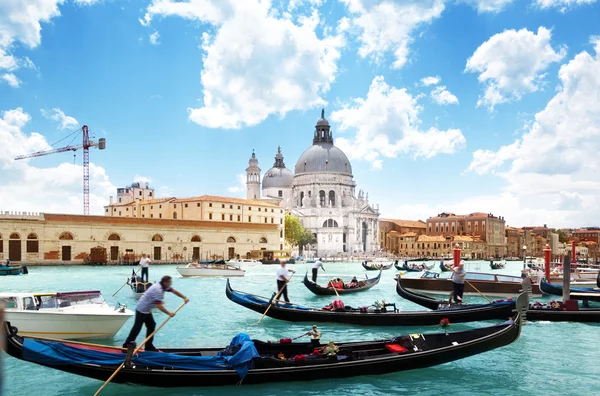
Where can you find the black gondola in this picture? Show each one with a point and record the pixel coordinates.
(352, 359)
(407, 268)
(376, 267)
(496, 266)
(363, 316)
(327, 291)
(536, 312)
(577, 293)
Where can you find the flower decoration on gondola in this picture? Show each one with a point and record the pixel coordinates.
(444, 324)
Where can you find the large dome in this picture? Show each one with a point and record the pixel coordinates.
(323, 157)
(278, 178)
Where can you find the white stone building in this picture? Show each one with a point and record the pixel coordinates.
(322, 193)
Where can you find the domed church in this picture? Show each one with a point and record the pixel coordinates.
(322, 193)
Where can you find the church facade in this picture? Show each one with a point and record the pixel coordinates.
(322, 193)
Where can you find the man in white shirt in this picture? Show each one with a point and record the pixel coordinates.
(283, 277)
(315, 269)
(145, 263)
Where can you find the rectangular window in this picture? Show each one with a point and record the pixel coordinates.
(230, 206)
(280, 221)
(32, 246)
(230, 217)
(272, 220)
(151, 215)
(106, 210)
(210, 216)
(249, 208)
(198, 204)
(210, 205)
(186, 205)
(280, 193)
(266, 220)
(119, 213)
(159, 206)
(140, 194)
(151, 206)
(223, 206)
(239, 218)
(222, 217)
(119, 199)
(126, 209)
(150, 194)
(143, 208)
(239, 207)
(249, 219)
(160, 215)
(143, 215)
(174, 206)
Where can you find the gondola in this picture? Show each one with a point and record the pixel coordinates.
(364, 316)
(407, 268)
(138, 288)
(577, 293)
(257, 362)
(376, 267)
(535, 312)
(326, 291)
(8, 270)
(496, 266)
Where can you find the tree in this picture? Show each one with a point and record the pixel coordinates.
(562, 236)
(296, 234)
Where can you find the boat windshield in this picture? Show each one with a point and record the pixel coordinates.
(79, 298)
(9, 302)
(477, 276)
(508, 278)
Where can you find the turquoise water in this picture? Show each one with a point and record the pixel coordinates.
(549, 358)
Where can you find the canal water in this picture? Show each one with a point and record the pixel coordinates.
(548, 359)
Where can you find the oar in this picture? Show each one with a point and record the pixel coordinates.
(126, 282)
(136, 350)
(331, 282)
(275, 298)
(477, 290)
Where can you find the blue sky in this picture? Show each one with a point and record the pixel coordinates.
(183, 91)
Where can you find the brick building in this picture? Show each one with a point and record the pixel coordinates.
(398, 235)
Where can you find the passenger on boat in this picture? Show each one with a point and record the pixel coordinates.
(195, 263)
(458, 283)
(144, 264)
(283, 277)
(153, 297)
(353, 283)
(315, 336)
(315, 269)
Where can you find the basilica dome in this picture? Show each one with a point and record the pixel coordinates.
(278, 176)
(323, 156)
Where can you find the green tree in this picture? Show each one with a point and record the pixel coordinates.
(296, 234)
(562, 236)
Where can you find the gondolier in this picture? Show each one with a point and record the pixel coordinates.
(153, 297)
(144, 264)
(458, 282)
(315, 269)
(283, 277)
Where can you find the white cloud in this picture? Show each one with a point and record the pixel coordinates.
(64, 121)
(153, 38)
(442, 96)
(563, 5)
(11, 80)
(431, 80)
(24, 187)
(255, 63)
(387, 124)
(141, 179)
(488, 5)
(240, 188)
(512, 63)
(86, 2)
(384, 26)
(552, 170)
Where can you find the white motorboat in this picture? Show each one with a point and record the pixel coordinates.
(243, 261)
(225, 270)
(72, 315)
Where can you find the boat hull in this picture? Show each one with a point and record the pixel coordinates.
(5, 271)
(67, 325)
(210, 272)
(325, 291)
(444, 286)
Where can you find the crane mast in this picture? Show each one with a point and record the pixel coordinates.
(86, 144)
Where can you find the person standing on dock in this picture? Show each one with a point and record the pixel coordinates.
(144, 264)
(283, 277)
(153, 297)
(315, 269)
(458, 283)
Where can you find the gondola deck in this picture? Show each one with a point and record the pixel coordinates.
(327, 291)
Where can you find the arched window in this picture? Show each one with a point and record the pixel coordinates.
(301, 198)
(262, 240)
(196, 238)
(14, 235)
(157, 238)
(231, 240)
(322, 198)
(332, 197)
(114, 237)
(175, 215)
(66, 236)
(330, 223)
(32, 243)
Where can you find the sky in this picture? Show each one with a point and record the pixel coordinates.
(441, 105)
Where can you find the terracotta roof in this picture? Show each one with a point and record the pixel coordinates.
(408, 234)
(406, 223)
(67, 218)
(214, 198)
(448, 215)
(428, 238)
(586, 231)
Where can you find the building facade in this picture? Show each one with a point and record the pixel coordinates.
(395, 234)
(69, 239)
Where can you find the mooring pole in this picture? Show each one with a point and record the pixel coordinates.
(566, 278)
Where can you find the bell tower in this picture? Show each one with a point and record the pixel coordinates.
(323, 131)
(253, 178)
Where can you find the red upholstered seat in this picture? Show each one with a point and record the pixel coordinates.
(396, 348)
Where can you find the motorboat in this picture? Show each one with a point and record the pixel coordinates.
(8, 270)
(225, 270)
(243, 261)
(70, 315)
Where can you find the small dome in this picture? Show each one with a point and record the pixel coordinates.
(323, 157)
(322, 122)
(278, 178)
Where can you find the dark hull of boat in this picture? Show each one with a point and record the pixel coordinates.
(577, 293)
(448, 348)
(277, 261)
(409, 269)
(444, 286)
(376, 267)
(14, 270)
(324, 291)
(294, 313)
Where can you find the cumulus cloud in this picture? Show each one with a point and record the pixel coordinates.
(240, 188)
(11, 80)
(488, 5)
(551, 171)
(387, 123)
(141, 179)
(64, 121)
(431, 80)
(442, 96)
(512, 63)
(563, 5)
(153, 38)
(24, 187)
(385, 26)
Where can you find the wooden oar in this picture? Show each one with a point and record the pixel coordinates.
(477, 290)
(136, 350)
(275, 298)
(331, 282)
(126, 282)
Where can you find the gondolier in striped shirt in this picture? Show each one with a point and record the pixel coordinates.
(153, 297)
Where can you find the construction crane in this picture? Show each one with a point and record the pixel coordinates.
(87, 143)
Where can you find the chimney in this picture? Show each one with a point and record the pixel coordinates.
(110, 202)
